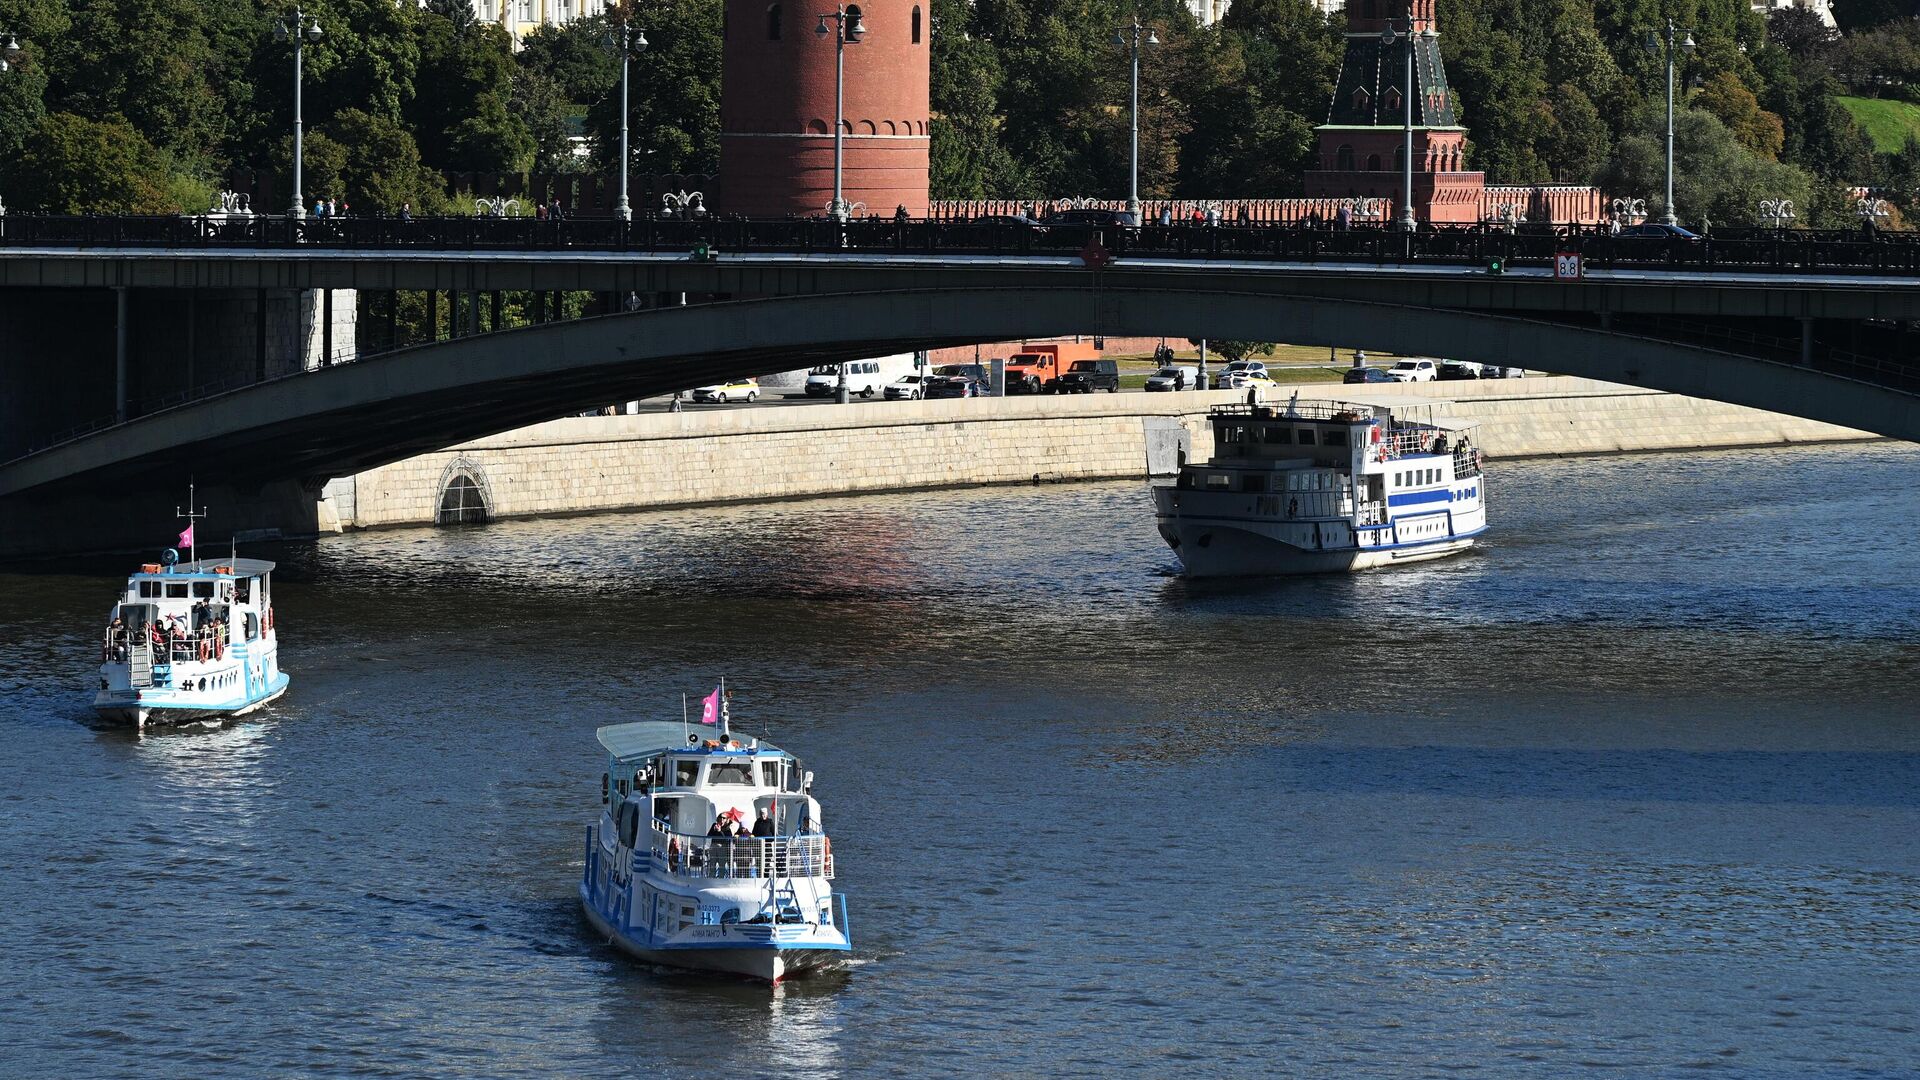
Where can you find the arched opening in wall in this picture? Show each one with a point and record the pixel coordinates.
(773, 22)
(1390, 99)
(1373, 162)
(1399, 159)
(916, 24)
(852, 20)
(866, 128)
(816, 127)
(462, 501)
(1343, 158)
(1361, 99)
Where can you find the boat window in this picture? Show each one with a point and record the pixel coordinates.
(770, 774)
(685, 772)
(730, 772)
(243, 589)
(1279, 435)
(1306, 436)
(203, 590)
(176, 590)
(149, 590)
(1219, 480)
(253, 625)
(1253, 482)
(1334, 438)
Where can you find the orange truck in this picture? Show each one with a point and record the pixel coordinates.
(1035, 366)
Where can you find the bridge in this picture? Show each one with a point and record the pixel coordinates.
(1812, 326)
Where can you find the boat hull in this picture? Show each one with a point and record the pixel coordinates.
(770, 963)
(141, 715)
(1216, 549)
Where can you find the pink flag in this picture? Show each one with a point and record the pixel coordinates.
(186, 538)
(710, 708)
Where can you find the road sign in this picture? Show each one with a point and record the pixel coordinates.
(1566, 266)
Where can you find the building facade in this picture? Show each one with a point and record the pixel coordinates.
(1362, 145)
(777, 109)
(521, 17)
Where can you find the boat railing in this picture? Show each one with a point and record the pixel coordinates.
(686, 855)
(1370, 513)
(1304, 410)
(206, 643)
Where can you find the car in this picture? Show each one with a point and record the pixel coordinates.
(1453, 370)
(1247, 380)
(1225, 375)
(1658, 230)
(1367, 375)
(1173, 377)
(1495, 371)
(952, 386)
(905, 388)
(863, 379)
(721, 393)
(959, 380)
(1013, 220)
(1086, 376)
(1414, 370)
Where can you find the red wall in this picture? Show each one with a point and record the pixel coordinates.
(777, 111)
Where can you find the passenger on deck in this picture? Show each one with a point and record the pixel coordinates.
(764, 825)
(720, 846)
(117, 638)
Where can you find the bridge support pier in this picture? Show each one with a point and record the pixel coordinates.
(326, 327)
(120, 370)
(1806, 341)
(433, 315)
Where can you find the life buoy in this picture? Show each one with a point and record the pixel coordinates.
(269, 616)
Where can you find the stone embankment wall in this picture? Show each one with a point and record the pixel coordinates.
(728, 455)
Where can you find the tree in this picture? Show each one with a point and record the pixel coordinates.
(1235, 351)
(77, 165)
(1800, 32)
(1577, 142)
(380, 165)
(540, 104)
(460, 114)
(1758, 130)
(1715, 176)
(674, 103)
(577, 55)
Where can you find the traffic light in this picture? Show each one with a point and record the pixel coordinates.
(702, 253)
(1496, 265)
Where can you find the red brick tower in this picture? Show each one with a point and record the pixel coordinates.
(777, 108)
(1363, 139)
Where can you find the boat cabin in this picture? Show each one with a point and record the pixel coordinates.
(681, 779)
(215, 603)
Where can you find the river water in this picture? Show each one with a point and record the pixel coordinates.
(1635, 787)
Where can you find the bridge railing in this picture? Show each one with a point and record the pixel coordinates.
(1749, 250)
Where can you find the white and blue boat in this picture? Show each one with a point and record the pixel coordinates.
(1323, 486)
(191, 643)
(663, 887)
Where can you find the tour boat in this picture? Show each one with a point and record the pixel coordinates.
(662, 886)
(1301, 489)
(192, 642)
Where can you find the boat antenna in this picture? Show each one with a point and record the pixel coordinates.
(686, 735)
(725, 711)
(191, 515)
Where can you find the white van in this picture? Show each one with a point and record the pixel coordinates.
(864, 379)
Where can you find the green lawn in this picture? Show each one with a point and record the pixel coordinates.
(1887, 123)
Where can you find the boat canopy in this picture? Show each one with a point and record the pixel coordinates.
(630, 743)
(212, 567)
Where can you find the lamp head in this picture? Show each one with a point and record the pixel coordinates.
(1153, 38)
(822, 28)
(639, 41)
(1387, 36)
(9, 49)
(1119, 38)
(1688, 43)
(858, 30)
(314, 33)
(1652, 42)
(280, 32)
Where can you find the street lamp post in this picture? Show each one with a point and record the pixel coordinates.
(1685, 45)
(848, 30)
(1388, 37)
(632, 40)
(1129, 35)
(10, 52)
(300, 29)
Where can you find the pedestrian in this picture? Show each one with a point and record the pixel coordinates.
(900, 214)
(320, 208)
(1343, 217)
(540, 212)
(406, 211)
